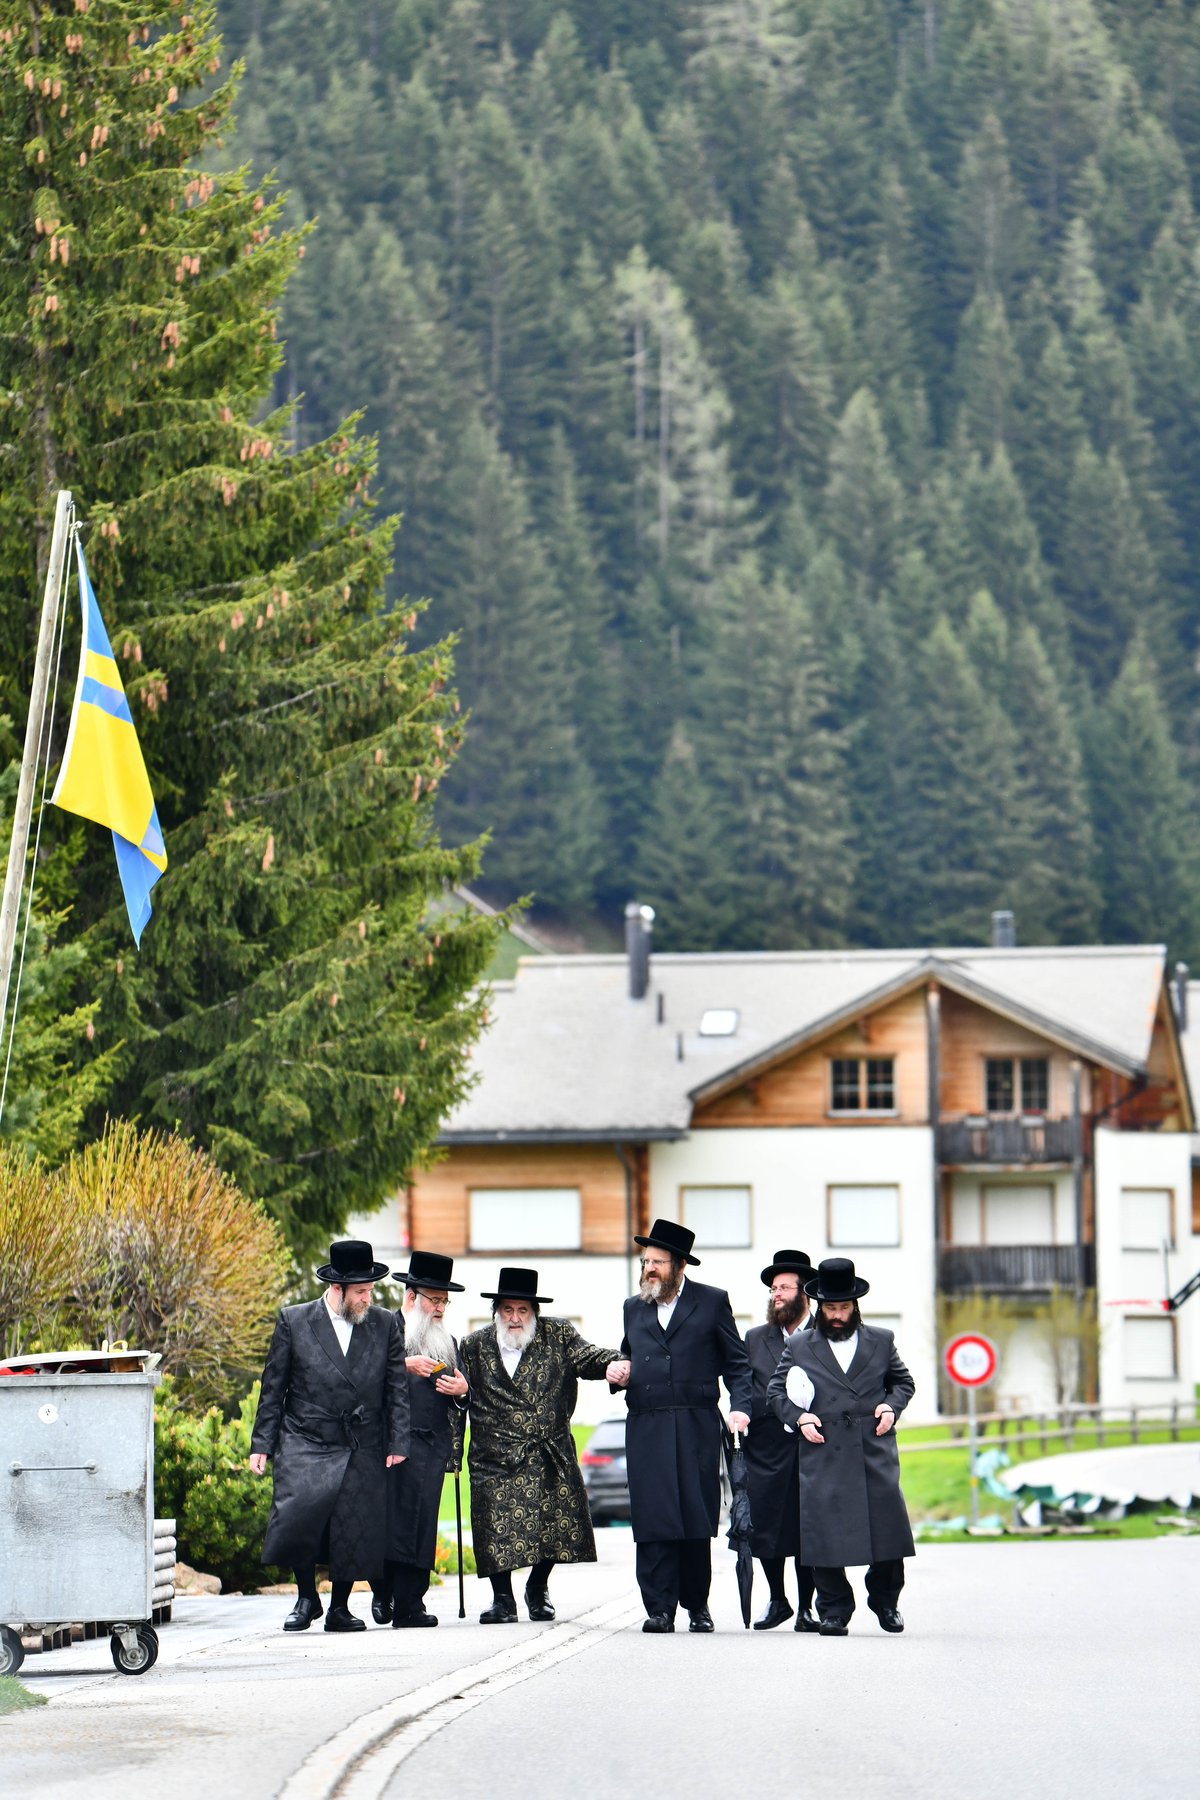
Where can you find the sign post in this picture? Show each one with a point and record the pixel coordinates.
(970, 1361)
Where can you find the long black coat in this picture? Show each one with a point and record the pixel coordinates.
(673, 1432)
(528, 1501)
(851, 1507)
(328, 1421)
(414, 1488)
(772, 1458)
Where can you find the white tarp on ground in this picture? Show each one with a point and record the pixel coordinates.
(1155, 1473)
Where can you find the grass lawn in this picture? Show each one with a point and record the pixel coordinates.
(936, 1482)
(14, 1697)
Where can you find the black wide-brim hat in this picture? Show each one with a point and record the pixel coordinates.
(351, 1262)
(835, 1280)
(787, 1262)
(519, 1284)
(426, 1269)
(664, 1234)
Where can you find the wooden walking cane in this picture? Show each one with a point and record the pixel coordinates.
(462, 1605)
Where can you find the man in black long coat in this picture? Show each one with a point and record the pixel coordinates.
(842, 1387)
(437, 1398)
(772, 1452)
(680, 1341)
(332, 1411)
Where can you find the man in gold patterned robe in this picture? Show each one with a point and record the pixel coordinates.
(528, 1504)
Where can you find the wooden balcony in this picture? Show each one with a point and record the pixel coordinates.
(1004, 1141)
(1012, 1268)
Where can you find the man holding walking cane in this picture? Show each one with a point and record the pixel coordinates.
(438, 1394)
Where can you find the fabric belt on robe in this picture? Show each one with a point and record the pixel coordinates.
(513, 1451)
(351, 1428)
(671, 1396)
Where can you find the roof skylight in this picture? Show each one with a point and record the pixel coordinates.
(719, 1021)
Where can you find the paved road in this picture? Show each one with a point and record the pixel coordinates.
(1025, 1668)
(1151, 1471)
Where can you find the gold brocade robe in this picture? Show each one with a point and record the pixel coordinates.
(528, 1502)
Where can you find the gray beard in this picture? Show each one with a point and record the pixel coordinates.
(425, 1335)
(516, 1337)
(657, 1293)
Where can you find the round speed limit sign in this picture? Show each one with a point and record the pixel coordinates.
(970, 1359)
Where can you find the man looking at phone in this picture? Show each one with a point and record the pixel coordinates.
(437, 1394)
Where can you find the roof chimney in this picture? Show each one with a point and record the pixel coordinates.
(1181, 987)
(639, 923)
(1004, 931)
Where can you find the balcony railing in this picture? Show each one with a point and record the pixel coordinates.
(1012, 1268)
(1021, 1140)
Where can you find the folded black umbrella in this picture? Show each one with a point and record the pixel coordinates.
(740, 1528)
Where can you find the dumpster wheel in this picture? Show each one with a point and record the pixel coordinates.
(12, 1650)
(140, 1656)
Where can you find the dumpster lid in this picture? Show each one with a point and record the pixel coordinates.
(83, 1362)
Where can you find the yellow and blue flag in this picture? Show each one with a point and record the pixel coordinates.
(103, 775)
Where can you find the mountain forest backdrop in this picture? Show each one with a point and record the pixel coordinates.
(794, 405)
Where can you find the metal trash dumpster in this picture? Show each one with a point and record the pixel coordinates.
(77, 1499)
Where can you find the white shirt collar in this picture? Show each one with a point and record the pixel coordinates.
(666, 1308)
(844, 1349)
(342, 1327)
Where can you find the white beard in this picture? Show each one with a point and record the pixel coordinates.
(515, 1337)
(425, 1335)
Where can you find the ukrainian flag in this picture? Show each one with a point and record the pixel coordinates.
(103, 776)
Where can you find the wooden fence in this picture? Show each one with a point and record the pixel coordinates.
(1064, 1424)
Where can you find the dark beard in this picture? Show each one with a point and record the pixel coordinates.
(837, 1334)
(785, 1313)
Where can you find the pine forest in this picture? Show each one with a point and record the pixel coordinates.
(792, 407)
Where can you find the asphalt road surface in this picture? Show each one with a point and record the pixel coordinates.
(1025, 1669)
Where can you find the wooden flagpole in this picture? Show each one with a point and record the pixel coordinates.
(14, 880)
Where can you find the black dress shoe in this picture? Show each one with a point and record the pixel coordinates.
(776, 1613)
(303, 1614)
(540, 1609)
(658, 1622)
(890, 1619)
(381, 1611)
(834, 1627)
(413, 1620)
(807, 1621)
(502, 1611)
(340, 1618)
(700, 1619)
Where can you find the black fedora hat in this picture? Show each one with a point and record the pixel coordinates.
(664, 1234)
(835, 1280)
(426, 1269)
(519, 1284)
(787, 1262)
(350, 1262)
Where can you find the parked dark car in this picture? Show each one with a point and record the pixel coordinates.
(604, 1476)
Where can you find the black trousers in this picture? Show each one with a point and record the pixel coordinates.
(408, 1587)
(835, 1596)
(773, 1568)
(675, 1572)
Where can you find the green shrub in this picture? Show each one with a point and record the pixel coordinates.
(202, 1482)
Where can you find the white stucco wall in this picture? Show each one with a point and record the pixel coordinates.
(789, 1173)
(1144, 1159)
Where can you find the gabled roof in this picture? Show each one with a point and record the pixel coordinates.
(569, 1055)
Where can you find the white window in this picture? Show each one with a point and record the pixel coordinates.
(1146, 1219)
(525, 1219)
(719, 1021)
(886, 1321)
(862, 1217)
(719, 1216)
(1016, 1213)
(1148, 1347)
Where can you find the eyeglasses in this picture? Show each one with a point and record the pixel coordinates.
(433, 1305)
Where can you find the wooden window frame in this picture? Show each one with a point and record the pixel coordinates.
(862, 1111)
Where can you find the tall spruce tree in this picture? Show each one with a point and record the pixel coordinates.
(294, 1006)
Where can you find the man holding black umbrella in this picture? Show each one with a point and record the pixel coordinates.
(680, 1342)
(772, 1452)
(437, 1394)
(842, 1387)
